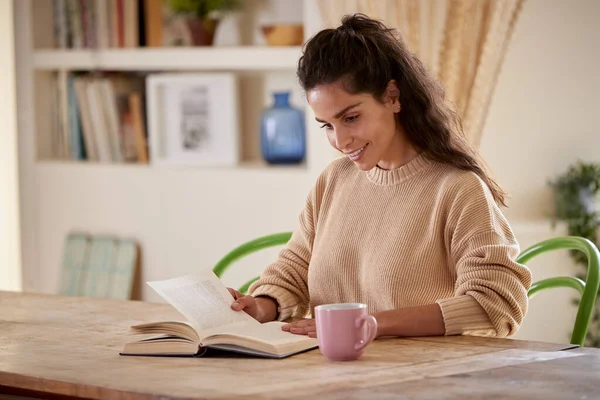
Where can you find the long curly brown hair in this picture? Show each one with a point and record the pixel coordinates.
(365, 56)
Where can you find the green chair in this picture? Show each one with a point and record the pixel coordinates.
(588, 289)
(252, 246)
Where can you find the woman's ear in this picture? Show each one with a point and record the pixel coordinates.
(392, 96)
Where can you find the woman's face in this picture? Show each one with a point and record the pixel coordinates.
(358, 125)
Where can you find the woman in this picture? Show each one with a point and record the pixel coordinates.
(408, 220)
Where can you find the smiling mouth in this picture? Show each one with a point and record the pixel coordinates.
(355, 155)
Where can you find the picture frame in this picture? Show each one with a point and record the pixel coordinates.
(193, 119)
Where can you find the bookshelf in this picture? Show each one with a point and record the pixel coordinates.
(184, 217)
(256, 58)
(74, 66)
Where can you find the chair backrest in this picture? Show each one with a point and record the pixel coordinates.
(252, 246)
(588, 289)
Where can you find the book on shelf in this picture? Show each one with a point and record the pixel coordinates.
(103, 24)
(91, 24)
(211, 326)
(99, 118)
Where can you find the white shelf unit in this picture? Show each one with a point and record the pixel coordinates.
(183, 217)
(172, 59)
(247, 167)
(272, 67)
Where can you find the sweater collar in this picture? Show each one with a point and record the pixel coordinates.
(398, 175)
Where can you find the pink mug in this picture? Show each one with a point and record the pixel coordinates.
(341, 332)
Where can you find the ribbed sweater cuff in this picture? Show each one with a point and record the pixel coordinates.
(463, 314)
(286, 300)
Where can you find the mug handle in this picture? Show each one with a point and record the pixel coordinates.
(371, 330)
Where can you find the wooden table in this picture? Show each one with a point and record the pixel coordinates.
(66, 347)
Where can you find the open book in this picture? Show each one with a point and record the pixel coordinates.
(212, 324)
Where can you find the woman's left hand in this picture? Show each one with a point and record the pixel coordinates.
(302, 327)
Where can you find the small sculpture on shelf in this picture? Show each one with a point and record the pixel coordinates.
(202, 17)
(283, 134)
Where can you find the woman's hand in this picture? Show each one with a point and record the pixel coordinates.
(244, 302)
(262, 309)
(302, 327)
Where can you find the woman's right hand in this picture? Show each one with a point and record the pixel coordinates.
(244, 302)
(261, 309)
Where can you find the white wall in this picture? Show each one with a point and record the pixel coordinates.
(544, 117)
(10, 247)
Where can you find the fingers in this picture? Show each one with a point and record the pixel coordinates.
(242, 302)
(234, 293)
(302, 327)
(298, 324)
(305, 330)
(237, 305)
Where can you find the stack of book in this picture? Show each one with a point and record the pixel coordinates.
(99, 118)
(102, 24)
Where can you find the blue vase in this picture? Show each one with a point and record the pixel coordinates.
(282, 132)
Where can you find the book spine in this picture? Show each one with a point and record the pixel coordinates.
(113, 23)
(54, 144)
(130, 18)
(83, 18)
(75, 138)
(135, 104)
(75, 24)
(63, 100)
(153, 23)
(92, 27)
(102, 24)
(98, 122)
(111, 118)
(86, 123)
(121, 23)
(60, 24)
(126, 129)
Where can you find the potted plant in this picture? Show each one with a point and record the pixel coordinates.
(202, 16)
(576, 199)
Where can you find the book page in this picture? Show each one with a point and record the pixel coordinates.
(269, 332)
(203, 300)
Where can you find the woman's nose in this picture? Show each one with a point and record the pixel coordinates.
(342, 139)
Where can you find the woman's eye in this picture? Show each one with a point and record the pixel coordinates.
(326, 126)
(352, 118)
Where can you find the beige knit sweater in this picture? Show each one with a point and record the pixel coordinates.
(421, 234)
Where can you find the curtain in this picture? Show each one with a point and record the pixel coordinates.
(463, 42)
